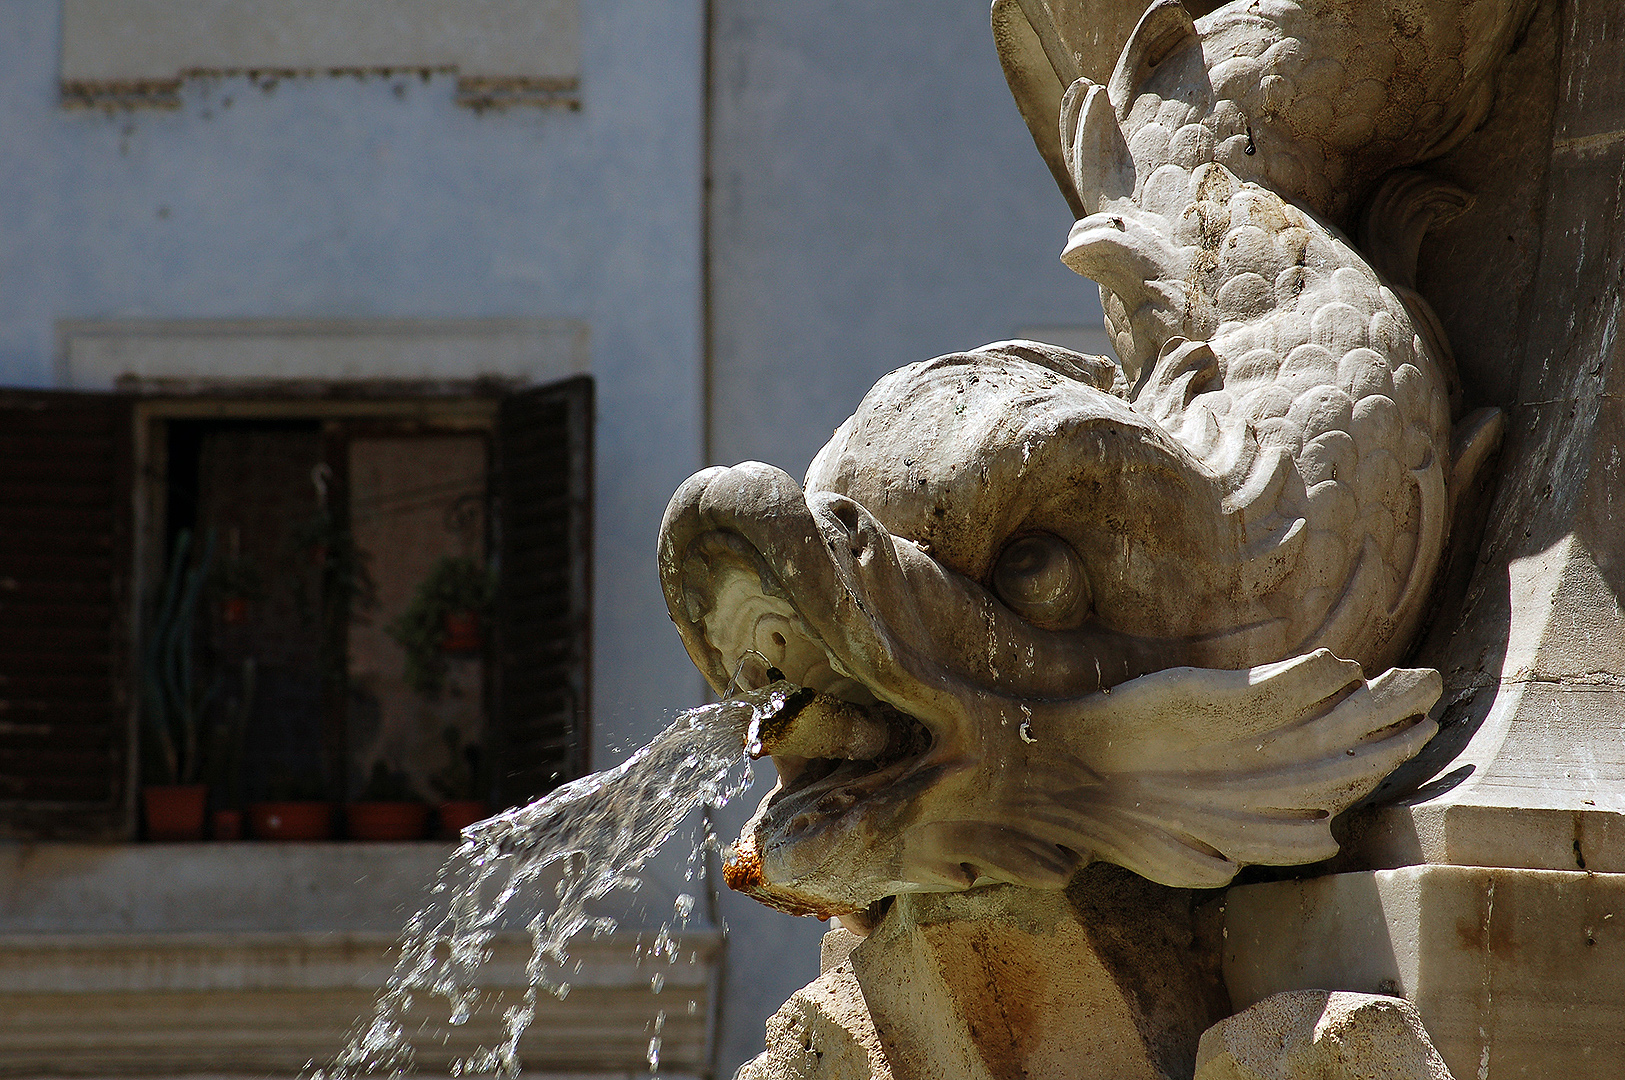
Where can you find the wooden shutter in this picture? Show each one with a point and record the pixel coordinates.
(65, 552)
(542, 488)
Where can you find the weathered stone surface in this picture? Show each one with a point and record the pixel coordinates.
(1525, 772)
(822, 1033)
(1114, 979)
(1317, 1034)
(997, 538)
(1022, 569)
(1516, 973)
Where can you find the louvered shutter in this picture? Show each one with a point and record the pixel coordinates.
(65, 552)
(543, 518)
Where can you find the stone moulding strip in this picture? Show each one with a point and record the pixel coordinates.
(126, 54)
(283, 355)
(257, 1004)
(108, 963)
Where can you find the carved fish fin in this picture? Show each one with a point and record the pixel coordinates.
(1407, 205)
(1207, 771)
(1477, 438)
(1092, 147)
(1037, 67)
(1098, 371)
(1131, 255)
(1164, 29)
(1184, 369)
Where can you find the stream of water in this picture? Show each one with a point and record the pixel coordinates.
(550, 861)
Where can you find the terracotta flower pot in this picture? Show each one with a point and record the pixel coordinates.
(386, 820)
(458, 814)
(291, 820)
(228, 825)
(175, 811)
(462, 632)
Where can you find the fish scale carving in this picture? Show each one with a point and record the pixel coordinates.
(1251, 329)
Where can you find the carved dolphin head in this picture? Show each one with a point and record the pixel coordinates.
(981, 574)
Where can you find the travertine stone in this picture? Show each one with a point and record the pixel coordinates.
(1317, 1034)
(1516, 973)
(1053, 610)
(822, 1033)
(998, 538)
(1526, 771)
(1114, 979)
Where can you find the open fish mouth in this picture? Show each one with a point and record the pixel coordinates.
(834, 745)
(913, 757)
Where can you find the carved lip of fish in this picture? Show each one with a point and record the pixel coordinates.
(757, 574)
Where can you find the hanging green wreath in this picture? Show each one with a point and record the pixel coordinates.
(456, 585)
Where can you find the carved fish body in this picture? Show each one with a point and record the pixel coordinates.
(1098, 604)
(1278, 357)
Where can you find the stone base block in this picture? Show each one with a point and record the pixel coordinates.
(1329, 1036)
(1515, 973)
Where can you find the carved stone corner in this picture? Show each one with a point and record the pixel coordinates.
(1321, 1034)
(824, 1031)
(1114, 978)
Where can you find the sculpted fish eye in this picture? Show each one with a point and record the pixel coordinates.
(1041, 578)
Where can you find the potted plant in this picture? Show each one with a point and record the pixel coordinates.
(460, 785)
(296, 809)
(236, 584)
(174, 699)
(444, 617)
(226, 756)
(388, 809)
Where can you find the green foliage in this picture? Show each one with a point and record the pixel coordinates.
(344, 582)
(456, 584)
(174, 697)
(464, 776)
(387, 784)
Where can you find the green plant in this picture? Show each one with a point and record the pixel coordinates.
(174, 697)
(463, 777)
(237, 577)
(343, 580)
(387, 784)
(455, 584)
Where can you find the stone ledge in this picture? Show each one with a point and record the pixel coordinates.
(136, 53)
(116, 1004)
(1515, 972)
(254, 959)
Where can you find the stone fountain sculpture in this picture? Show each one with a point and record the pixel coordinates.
(1042, 616)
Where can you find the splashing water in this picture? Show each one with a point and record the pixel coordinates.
(597, 832)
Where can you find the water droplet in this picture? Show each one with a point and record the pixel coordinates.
(587, 839)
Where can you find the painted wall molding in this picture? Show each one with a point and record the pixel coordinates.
(188, 354)
(137, 53)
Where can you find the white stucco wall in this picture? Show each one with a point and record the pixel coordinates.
(338, 198)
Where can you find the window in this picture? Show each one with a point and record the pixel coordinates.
(290, 634)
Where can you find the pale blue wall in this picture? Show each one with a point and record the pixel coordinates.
(337, 197)
(876, 199)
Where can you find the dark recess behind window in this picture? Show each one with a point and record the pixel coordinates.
(65, 546)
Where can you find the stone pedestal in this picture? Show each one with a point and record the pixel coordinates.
(1529, 767)
(1516, 973)
(1115, 979)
